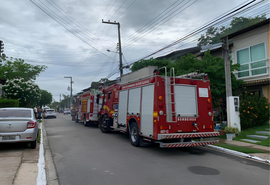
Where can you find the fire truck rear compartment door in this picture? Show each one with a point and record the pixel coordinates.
(88, 105)
(186, 100)
(147, 110)
(134, 98)
(122, 108)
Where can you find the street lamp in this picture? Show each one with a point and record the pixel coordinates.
(70, 89)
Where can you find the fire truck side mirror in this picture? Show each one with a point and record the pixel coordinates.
(97, 100)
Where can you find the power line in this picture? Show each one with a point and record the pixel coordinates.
(63, 24)
(204, 27)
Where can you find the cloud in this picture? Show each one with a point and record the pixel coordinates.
(33, 35)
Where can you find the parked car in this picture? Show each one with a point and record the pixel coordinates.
(18, 125)
(49, 113)
(67, 111)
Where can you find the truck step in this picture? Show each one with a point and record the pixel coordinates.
(186, 144)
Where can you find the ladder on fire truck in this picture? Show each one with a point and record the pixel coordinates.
(170, 95)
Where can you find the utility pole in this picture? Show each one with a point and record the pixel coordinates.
(119, 41)
(227, 62)
(70, 89)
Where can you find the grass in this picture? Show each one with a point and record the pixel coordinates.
(38, 139)
(252, 131)
(239, 148)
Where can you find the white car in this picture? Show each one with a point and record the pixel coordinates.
(18, 125)
(49, 113)
(67, 111)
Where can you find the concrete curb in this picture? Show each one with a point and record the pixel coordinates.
(51, 174)
(238, 153)
(41, 178)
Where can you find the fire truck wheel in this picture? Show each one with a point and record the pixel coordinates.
(134, 136)
(104, 125)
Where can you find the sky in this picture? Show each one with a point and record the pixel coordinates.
(68, 36)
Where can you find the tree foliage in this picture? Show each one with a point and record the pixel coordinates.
(27, 92)
(213, 34)
(46, 98)
(215, 69)
(15, 68)
(151, 62)
(254, 110)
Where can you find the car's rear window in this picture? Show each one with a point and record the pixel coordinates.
(15, 113)
(49, 109)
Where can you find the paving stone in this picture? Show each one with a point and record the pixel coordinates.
(250, 140)
(258, 137)
(263, 132)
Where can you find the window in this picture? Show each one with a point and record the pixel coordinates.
(109, 95)
(252, 61)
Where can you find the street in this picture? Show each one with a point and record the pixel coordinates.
(85, 155)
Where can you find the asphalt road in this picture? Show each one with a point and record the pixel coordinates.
(85, 155)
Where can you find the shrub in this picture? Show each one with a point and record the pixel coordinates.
(231, 130)
(8, 103)
(254, 110)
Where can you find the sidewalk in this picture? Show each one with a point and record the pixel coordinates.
(264, 156)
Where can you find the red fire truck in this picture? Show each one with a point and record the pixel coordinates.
(168, 110)
(87, 109)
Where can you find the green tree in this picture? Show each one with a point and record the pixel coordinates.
(15, 68)
(27, 92)
(65, 101)
(214, 67)
(151, 62)
(46, 98)
(213, 34)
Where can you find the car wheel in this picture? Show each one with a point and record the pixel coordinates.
(33, 144)
(134, 136)
(104, 125)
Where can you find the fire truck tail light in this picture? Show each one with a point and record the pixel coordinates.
(208, 127)
(209, 113)
(160, 98)
(161, 112)
(193, 82)
(91, 115)
(160, 105)
(152, 80)
(208, 100)
(161, 127)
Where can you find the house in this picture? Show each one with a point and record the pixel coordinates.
(251, 49)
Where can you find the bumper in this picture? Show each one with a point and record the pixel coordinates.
(26, 136)
(49, 115)
(188, 135)
(187, 144)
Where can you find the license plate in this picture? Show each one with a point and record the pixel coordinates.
(6, 138)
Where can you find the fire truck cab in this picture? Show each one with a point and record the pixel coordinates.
(172, 111)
